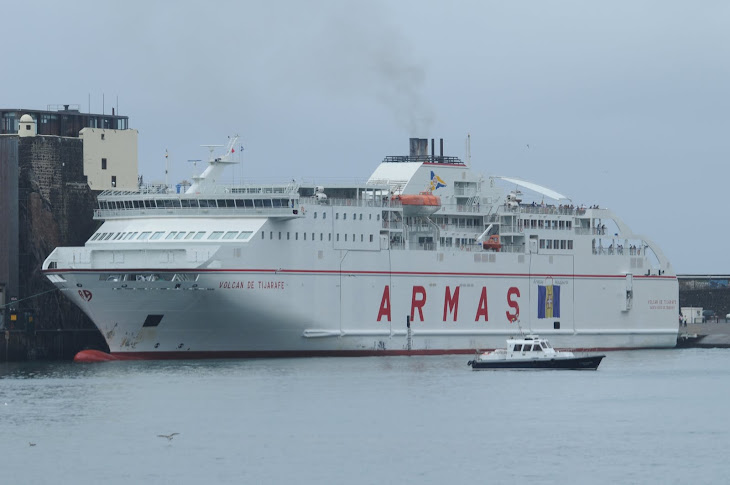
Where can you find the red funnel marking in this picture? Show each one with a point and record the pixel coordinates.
(93, 356)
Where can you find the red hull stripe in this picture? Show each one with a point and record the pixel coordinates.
(337, 272)
(263, 354)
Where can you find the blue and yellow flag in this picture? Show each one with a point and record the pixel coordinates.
(436, 182)
(548, 301)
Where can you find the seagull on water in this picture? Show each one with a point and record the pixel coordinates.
(168, 436)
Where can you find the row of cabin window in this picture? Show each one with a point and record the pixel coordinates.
(344, 216)
(556, 244)
(547, 224)
(526, 348)
(145, 235)
(321, 236)
(195, 203)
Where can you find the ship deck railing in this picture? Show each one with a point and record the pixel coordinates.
(546, 209)
(197, 211)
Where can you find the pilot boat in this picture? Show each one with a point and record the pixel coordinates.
(533, 352)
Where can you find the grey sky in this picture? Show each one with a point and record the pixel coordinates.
(624, 104)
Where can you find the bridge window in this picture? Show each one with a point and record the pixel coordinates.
(180, 235)
(245, 235)
(144, 236)
(171, 235)
(157, 235)
(218, 235)
(199, 235)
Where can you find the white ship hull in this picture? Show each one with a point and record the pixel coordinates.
(320, 283)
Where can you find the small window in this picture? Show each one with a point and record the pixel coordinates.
(171, 235)
(324, 215)
(103, 163)
(371, 238)
(377, 218)
(344, 216)
(371, 217)
(102, 136)
(321, 236)
(305, 235)
(262, 235)
(362, 238)
(279, 235)
(114, 180)
(296, 236)
(144, 236)
(360, 216)
(337, 215)
(315, 215)
(190, 235)
(94, 237)
(338, 236)
(518, 347)
(329, 236)
(131, 235)
(287, 235)
(345, 237)
(180, 235)
(312, 236)
(245, 235)
(199, 235)
(157, 235)
(271, 235)
(217, 235)
(230, 235)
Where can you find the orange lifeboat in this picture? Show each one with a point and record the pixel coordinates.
(418, 204)
(492, 243)
(419, 199)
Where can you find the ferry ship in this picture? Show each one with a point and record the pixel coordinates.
(425, 257)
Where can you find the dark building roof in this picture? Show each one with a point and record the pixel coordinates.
(60, 120)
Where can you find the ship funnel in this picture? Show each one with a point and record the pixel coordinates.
(419, 147)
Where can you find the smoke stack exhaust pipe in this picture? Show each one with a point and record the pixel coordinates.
(433, 148)
(442, 149)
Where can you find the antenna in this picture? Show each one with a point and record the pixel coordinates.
(211, 149)
(167, 166)
(468, 149)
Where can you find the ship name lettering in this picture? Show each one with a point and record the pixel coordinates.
(232, 285)
(451, 304)
(271, 285)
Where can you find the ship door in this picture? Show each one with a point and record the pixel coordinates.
(629, 293)
(533, 244)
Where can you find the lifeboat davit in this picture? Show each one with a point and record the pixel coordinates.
(418, 204)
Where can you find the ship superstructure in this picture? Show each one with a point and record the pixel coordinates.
(424, 257)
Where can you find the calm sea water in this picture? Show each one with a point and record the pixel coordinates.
(643, 417)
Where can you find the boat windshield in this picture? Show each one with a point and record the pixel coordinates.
(518, 347)
(546, 345)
